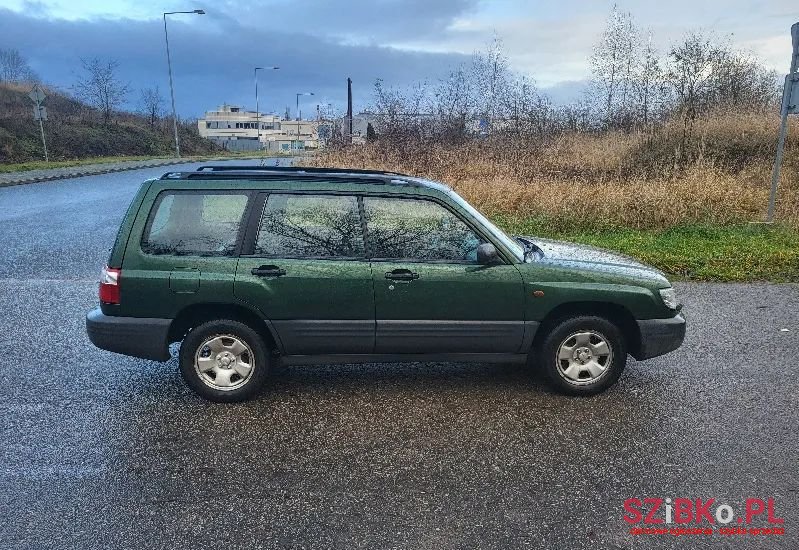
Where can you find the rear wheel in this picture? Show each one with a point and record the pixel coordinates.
(583, 355)
(224, 361)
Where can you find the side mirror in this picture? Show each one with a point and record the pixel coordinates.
(487, 254)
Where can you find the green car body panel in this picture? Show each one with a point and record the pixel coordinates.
(319, 310)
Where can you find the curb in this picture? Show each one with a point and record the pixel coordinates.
(107, 168)
(100, 169)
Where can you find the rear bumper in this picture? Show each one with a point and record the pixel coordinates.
(134, 336)
(659, 336)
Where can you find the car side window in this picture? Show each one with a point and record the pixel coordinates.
(310, 226)
(203, 224)
(415, 229)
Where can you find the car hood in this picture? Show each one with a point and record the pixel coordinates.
(568, 254)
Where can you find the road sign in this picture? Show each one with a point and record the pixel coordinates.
(791, 92)
(37, 94)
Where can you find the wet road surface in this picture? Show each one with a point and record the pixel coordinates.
(105, 451)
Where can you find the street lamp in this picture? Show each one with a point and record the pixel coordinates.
(298, 114)
(171, 87)
(257, 112)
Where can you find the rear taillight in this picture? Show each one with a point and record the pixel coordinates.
(109, 285)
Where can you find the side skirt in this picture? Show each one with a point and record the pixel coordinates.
(518, 358)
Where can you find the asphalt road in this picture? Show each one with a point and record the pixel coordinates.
(104, 451)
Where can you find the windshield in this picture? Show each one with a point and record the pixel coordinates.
(508, 241)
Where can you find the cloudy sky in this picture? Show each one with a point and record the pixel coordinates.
(319, 43)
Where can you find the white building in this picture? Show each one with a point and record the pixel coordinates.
(236, 129)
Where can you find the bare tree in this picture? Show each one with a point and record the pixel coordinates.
(608, 62)
(14, 67)
(614, 64)
(739, 80)
(648, 83)
(100, 87)
(454, 105)
(691, 69)
(576, 117)
(152, 104)
(401, 113)
(490, 75)
(525, 111)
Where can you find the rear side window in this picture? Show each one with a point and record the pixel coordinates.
(310, 226)
(197, 224)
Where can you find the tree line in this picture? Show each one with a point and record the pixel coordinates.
(633, 87)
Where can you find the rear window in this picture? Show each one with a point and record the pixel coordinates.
(197, 224)
(310, 226)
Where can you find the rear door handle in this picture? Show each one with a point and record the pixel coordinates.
(268, 271)
(402, 275)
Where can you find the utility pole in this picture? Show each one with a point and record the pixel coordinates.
(171, 86)
(257, 110)
(788, 106)
(349, 112)
(299, 117)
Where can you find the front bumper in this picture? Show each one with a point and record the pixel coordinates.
(659, 336)
(138, 337)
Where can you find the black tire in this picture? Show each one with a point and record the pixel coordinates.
(564, 332)
(240, 388)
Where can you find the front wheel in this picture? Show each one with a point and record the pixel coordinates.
(583, 355)
(224, 361)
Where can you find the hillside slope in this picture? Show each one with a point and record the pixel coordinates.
(75, 130)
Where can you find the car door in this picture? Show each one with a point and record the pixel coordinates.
(431, 295)
(304, 267)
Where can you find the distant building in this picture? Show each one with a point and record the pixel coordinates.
(236, 129)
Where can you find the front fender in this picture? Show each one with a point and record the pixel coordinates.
(640, 302)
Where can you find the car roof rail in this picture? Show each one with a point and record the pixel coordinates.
(354, 175)
(297, 170)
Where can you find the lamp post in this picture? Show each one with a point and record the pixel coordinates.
(298, 113)
(171, 87)
(257, 111)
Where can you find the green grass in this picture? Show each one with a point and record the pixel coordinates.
(747, 252)
(42, 165)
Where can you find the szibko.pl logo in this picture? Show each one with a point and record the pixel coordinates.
(685, 516)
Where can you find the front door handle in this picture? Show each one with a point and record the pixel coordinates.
(402, 275)
(268, 271)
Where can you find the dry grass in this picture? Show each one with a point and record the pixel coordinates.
(644, 181)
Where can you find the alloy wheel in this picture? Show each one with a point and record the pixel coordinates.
(584, 357)
(224, 362)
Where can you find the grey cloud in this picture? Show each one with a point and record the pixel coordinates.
(213, 58)
(358, 21)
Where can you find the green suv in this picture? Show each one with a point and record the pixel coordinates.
(251, 266)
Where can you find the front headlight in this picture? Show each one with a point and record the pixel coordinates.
(669, 297)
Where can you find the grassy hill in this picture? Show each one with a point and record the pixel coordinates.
(76, 131)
